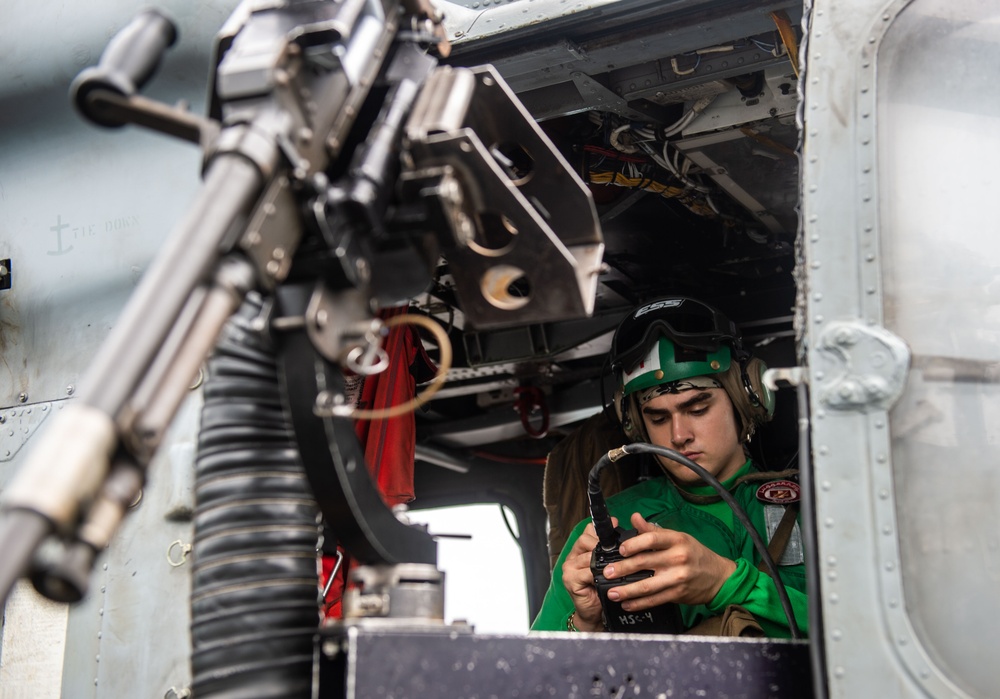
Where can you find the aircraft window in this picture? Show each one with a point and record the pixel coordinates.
(939, 142)
(484, 574)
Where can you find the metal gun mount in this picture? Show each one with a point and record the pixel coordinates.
(451, 162)
(527, 246)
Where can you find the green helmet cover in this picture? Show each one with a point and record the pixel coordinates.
(663, 365)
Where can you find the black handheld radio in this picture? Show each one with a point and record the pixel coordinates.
(665, 618)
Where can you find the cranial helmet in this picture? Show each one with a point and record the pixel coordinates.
(668, 340)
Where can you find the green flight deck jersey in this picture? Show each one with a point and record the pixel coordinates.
(714, 525)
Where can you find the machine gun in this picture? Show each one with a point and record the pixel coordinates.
(340, 161)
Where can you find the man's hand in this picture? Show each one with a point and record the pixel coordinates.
(579, 581)
(684, 570)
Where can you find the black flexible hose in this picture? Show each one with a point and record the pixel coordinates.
(254, 601)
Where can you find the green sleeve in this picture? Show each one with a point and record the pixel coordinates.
(558, 605)
(755, 591)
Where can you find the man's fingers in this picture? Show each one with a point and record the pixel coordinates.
(649, 601)
(644, 560)
(654, 539)
(641, 525)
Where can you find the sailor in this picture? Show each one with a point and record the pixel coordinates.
(686, 383)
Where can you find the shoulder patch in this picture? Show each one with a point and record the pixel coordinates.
(779, 492)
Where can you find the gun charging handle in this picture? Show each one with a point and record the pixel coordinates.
(128, 62)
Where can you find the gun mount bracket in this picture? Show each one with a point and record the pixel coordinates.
(273, 233)
(475, 152)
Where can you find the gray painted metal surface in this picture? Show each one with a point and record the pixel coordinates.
(84, 209)
(82, 212)
(476, 19)
(873, 646)
(939, 270)
(623, 42)
(849, 447)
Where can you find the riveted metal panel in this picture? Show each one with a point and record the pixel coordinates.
(83, 209)
(82, 212)
(871, 647)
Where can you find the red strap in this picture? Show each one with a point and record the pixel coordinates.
(528, 399)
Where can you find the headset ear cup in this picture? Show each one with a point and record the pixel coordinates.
(636, 430)
(622, 412)
(628, 416)
(764, 394)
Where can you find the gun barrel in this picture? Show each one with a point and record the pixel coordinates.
(68, 467)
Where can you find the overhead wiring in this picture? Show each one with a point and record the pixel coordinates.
(638, 156)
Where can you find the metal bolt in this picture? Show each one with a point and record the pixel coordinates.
(22, 397)
(70, 390)
(845, 337)
(361, 265)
